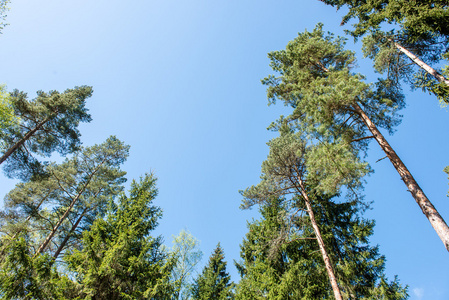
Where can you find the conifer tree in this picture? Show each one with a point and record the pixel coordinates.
(23, 276)
(53, 211)
(280, 257)
(214, 283)
(338, 110)
(46, 124)
(119, 258)
(287, 173)
(420, 41)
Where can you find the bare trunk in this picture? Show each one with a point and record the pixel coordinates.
(426, 206)
(61, 219)
(22, 141)
(422, 64)
(316, 229)
(69, 234)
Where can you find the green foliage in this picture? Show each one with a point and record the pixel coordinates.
(281, 259)
(316, 80)
(7, 118)
(77, 189)
(423, 28)
(416, 17)
(47, 124)
(3, 9)
(22, 276)
(214, 282)
(188, 255)
(281, 256)
(119, 258)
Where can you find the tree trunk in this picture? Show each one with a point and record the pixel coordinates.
(52, 233)
(422, 64)
(61, 246)
(316, 229)
(22, 141)
(61, 219)
(426, 206)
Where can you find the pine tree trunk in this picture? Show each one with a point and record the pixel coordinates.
(62, 245)
(422, 64)
(22, 141)
(66, 213)
(316, 229)
(426, 206)
(61, 219)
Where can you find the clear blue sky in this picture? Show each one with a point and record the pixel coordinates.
(180, 82)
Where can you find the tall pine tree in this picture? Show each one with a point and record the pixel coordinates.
(338, 110)
(47, 124)
(419, 41)
(281, 260)
(52, 212)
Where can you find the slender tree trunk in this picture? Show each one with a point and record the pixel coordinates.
(426, 206)
(316, 229)
(66, 213)
(62, 245)
(421, 64)
(22, 140)
(61, 219)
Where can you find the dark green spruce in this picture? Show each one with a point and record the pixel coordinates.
(119, 258)
(214, 283)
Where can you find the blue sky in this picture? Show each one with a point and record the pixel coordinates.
(179, 81)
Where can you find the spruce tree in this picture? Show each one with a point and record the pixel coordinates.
(119, 258)
(287, 173)
(214, 283)
(280, 257)
(47, 124)
(23, 276)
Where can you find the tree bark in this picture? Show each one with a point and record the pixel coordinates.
(316, 229)
(426, 206)
(421, 64)
(52, 233)
(22, 141)
(62, 245)
(61, 219)
(29, 217)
